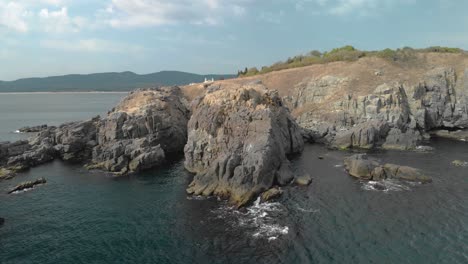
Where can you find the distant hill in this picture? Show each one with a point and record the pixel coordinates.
(112, 81)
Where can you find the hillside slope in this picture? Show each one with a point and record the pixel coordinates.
(372, 102)
(124, 81)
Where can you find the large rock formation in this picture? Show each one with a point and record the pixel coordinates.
(238, 142)
(393, 116)
(146, 126)
(360, 166)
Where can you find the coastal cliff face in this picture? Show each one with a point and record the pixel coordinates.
(237, 134)
(376, 103)
(393, 116)
(238, 142)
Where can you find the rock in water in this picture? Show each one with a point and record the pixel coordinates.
(27, 185)
(304, 179)
(360, 166)
(460, 163)
(32, 129)
(2, 221)
(271, 194)
(238, 141)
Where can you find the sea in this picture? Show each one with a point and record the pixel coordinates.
(82, 216)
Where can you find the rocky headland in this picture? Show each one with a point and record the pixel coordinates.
(238, 143)
(236, 135)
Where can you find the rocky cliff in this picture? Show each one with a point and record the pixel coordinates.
(238, 143)
(376, 103)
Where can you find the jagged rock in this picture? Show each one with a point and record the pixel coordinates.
(360, 166)
(365, 135)
(271, 194)
(32, 129)
(137, 135)
(27, 185)
(141, 131)
(238, 141)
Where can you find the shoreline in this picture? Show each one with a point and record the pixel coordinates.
(76, 92)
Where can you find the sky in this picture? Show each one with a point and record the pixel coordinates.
(55, 37)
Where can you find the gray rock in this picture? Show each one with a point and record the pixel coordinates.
(32, 129)
(238, 141)
(27, 185)
(137, 135)
(393, 116)
(360, 166)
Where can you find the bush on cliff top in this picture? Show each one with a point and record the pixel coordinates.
(346, 53)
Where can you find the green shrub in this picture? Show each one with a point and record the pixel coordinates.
(346, 53)
(443, 49)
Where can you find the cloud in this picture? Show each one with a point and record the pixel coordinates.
(59, 21)
(13, 16)
(90, 45)
(270, 17)
(349, 7)
(146, 13)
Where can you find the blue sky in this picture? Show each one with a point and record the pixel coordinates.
(54, 37)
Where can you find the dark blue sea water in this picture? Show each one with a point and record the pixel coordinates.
(88, 217)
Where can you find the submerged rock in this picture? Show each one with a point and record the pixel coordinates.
(27, 185)
(238, 141)
(360, 166)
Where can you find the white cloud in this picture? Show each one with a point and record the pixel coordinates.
(59, 21)
(90, 45)
(274, 18)
(144, 13)
(13, 16)
(349, 7)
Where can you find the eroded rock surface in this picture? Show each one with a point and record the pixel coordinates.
(394, 116)
(238, 141)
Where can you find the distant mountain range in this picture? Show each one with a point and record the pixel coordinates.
(112, 81)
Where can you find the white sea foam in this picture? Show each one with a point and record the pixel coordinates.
(308, 210)
(385, 186)
(260, 219)
(197, 197)
(17, 132)
(22, 191)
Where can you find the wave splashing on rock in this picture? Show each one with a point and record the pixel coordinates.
(261, 220)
